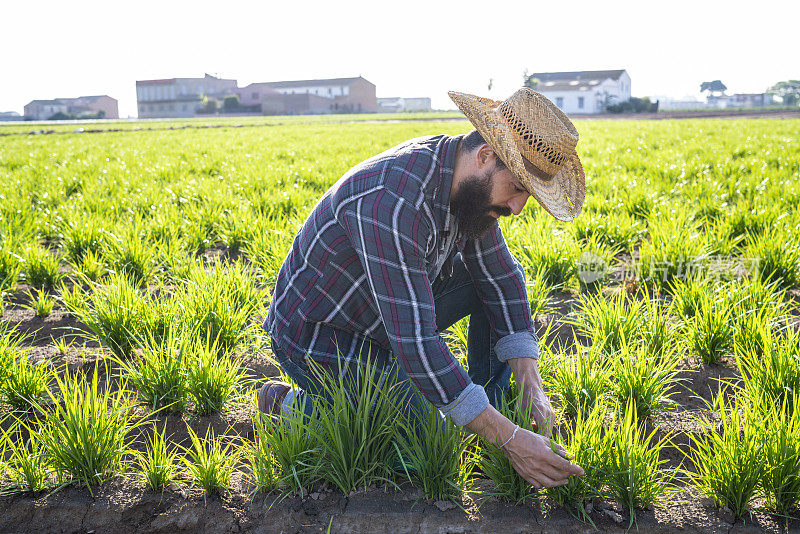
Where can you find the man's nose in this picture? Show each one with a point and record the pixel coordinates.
(517, 202)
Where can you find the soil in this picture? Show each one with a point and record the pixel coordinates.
(123, 504)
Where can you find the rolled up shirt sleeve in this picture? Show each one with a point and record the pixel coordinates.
(500, 282)
(390, 237)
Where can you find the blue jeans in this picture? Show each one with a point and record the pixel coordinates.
(454, 298)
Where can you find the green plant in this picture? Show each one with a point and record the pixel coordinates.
(25, 469)
(583, 440)
(129, 255)
(219, 303)
(436, 455)
(688, 295)
(42, 304)
(643, 381)
(158, 465)
(677, 249)
(9, 269)
(778, 255)
(91, 266)
(509, 485)
(540, 294)
(356, 425)
(780, 481)
(581, 380)
(85, 435)
(82, 238)
(160, 373)
(115, 315)
(728, 458)
(610, 322)
(61, 344)
(41, 268)
(296, 450)
(634, 472)
(772, 376)
(264, 468)
(208, 462)
(709, 333)
(25, 382)
(72, 299)
(212, 377)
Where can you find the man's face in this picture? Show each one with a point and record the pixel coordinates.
(483, 198)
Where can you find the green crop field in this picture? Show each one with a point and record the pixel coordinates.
(136, 264)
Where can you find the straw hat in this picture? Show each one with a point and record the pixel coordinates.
(536, 141)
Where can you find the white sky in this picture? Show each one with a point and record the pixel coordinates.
(52, 49)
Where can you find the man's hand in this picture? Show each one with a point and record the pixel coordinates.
(526, 374)
(530, 454)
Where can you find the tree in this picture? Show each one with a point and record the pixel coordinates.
(788, 91)
(529, 80)
(231, 103)
(713, 87)
(209, 105)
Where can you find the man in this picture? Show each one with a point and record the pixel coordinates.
(406, 244)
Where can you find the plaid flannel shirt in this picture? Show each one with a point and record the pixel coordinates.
(358, 278)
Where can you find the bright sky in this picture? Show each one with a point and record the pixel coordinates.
(52, 49)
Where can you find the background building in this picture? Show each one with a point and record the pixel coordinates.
(334, 95)
(100, 106)
(10, 116)
(583, 91)
(398, 103)
(179, 97)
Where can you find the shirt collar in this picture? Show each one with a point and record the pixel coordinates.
(446, 171)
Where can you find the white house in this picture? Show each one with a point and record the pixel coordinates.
(588, 91)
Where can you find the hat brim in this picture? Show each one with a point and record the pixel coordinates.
(561, 195)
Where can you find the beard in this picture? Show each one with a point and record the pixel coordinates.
(471, 205)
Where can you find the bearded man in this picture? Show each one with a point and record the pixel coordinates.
(406, 244)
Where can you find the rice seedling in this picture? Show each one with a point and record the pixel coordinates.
(9, 269)
(25, 469)
(772, 376)
(644, 381)
(658, 333)
(61, 345)
(268, 247)
(436, 455)
(91, 266)
(581, 381)
(85, 435)
(25, 383)
(42, 304)
(72, 299)
(264, 469)
(493, 463)
(356, 425)
(728, 458)
(610, 322)
(540, 294)
(130, 256)
(220, 302)
(677, 249)
(160, 374)
(235, 230)
(82, 237)
(40, 268)
(212, 377)
(780, 481)
(115, 314)
(688, 295)
(296, 450)
(158, 465)
(634, 472)
(617, 229)
(549, 254)
(209, 463)
(778, 255)
(709, 333)
(584, 443)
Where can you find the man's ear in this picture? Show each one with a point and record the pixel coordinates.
(485, 156)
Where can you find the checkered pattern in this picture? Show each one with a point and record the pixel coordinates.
(358, 278)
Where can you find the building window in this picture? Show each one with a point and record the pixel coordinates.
(172, 107)
(255, 96)
(330, 90)
(183, 107)
(580, 102)
(560, 101)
